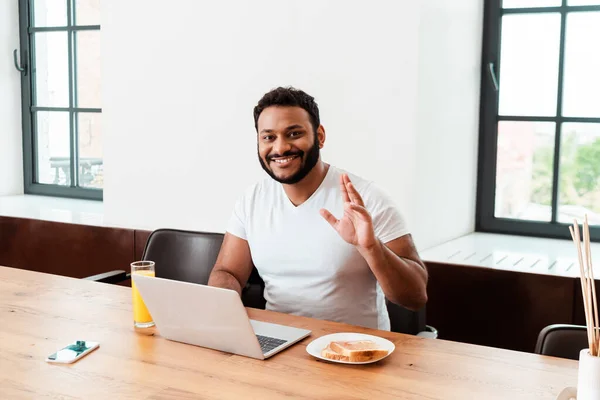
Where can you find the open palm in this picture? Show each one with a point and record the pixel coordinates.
(356, 225)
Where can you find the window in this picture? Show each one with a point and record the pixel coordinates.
(539, 150)
(60, 58)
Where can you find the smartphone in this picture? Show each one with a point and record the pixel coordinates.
(73, 352)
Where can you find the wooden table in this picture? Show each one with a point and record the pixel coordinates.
(40, 313)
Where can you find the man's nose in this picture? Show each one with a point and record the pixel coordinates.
(280, 146)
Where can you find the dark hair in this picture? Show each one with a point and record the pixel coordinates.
(289, 97)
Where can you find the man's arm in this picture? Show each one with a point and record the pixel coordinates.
(233, 266)
(396, 264)
(399, 270)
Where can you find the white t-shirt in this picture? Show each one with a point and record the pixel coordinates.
(308, 269)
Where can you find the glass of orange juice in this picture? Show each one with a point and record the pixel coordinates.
(141, 316)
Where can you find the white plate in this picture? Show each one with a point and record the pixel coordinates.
(315, 347)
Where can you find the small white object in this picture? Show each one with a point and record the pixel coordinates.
(429, 333)
(315, 347)
(588, 380)
(569, 393)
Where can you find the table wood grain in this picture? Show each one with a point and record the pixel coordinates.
(40, 313)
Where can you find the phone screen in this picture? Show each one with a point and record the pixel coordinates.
(72, 352)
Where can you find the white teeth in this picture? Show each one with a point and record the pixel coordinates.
(284, 160)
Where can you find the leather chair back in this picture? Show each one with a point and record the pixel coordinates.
(190, 257)
(183, 255)
(564, 341)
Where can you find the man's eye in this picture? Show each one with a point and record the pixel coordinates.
(293, 134)
(267, 138)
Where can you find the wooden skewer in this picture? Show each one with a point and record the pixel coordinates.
(575, 235)
(590, 308)
(588, 287)
(592, 283)
(588, 292)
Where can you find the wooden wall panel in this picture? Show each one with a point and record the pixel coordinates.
(578, 310)
(496, 308)
(64, 249)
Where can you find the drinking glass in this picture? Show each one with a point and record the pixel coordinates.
(141, 316)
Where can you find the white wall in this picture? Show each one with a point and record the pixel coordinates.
(450, 39)
(180, 144)
(11, 143)
(180, 84)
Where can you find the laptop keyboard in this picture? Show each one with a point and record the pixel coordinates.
(268, 343)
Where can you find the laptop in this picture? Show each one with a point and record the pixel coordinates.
(211, 317)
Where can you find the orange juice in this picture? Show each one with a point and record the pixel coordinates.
(140, 312)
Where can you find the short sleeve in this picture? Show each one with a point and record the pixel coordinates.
(237, 221)
(388, 222)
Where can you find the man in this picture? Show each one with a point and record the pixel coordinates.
(314, 264)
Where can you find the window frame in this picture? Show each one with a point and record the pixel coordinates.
(28, 110)
(488, 128)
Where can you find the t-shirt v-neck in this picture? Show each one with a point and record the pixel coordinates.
(315, 194)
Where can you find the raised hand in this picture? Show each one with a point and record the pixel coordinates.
(356, 225)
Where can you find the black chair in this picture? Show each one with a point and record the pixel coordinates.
(190, 256)
(403, 320)
(564, 341)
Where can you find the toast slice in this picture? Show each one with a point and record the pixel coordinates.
(332, 355)
(358, 350)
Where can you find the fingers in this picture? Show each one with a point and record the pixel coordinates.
(345, 196)
(329, 217)
(354, 210)
(352, 192)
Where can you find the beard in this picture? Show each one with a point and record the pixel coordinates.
(309, 162)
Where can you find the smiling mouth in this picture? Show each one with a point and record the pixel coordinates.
(284, 160)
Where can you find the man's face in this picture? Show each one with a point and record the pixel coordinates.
(288, 147)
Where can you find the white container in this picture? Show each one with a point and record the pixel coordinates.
(588, 379)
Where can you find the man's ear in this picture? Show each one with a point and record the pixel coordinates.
(321, 136)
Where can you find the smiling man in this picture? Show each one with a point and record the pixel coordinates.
(327, 244)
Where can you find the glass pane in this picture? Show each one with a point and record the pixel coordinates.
(581, 93)
(53, 147)
(87, 12)
(52, 69)
(88, 69)
(579, 174)
(530, 3)
(524, 170)
(529, 64)
(91, 166)
(49, 13)
(583, 2)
